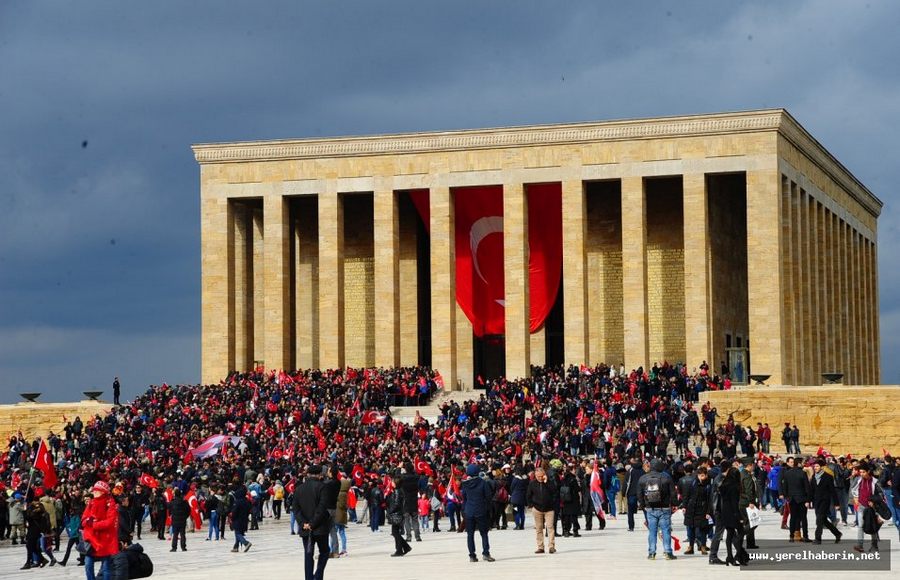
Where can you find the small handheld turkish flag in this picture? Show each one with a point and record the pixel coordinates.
(44, 463)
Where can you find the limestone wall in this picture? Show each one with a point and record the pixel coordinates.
(38, 419)
(842, 419)
(359, 282)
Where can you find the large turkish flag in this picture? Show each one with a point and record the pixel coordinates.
(480, 285)
(479, 257)
(545, 249)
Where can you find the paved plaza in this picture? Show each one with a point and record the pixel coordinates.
(276, 554)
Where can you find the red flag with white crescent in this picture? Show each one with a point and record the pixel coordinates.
(44, 463)
(148, 481)
(479, 257)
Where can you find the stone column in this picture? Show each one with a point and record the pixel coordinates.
(574, 273)
(409, 284)
(818, 287)
(764, 280)
(795, 326)
(277, 269)
(331, 277)
(217, 268)
(876, 335)
(853, 310)
(306, 289)
(465, 356)
(634, 272)
(515, 273)
(858, 295)
(866, 301)
(697, 294)
(387, 272)
(789, 282)
(806, 345)
(845, 301)
(831, 292)
(538, 347)
(243, 322)
(257, 292)
(443, 285)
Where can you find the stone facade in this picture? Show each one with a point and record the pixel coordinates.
(39, 419)
(861, 420)
(678, 233)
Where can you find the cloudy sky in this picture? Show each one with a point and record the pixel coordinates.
(101, 100)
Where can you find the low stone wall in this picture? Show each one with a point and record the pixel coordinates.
(842, 419)
(38, 419)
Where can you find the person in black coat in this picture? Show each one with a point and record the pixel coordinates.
(409, 484)
(180, 511)
(570, 496)
(632, 476)
(698, 509)
(795, 489)
(477, 495)
(311, 511)
(824, 497)
(518, 484)
(240, 518)
(126, 523)
(396, 516)
(729, 496)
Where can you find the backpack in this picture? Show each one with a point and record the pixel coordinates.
(653, 493)
(565, 493)
(139, 564)
(501, 495)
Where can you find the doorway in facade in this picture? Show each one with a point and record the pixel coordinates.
(490, 358)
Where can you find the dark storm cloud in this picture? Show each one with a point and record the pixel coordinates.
(99, 244)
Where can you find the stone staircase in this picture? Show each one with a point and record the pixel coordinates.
(430, 411)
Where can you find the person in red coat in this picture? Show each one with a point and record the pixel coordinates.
(101, 529)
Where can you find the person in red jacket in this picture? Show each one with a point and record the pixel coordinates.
(101, 529)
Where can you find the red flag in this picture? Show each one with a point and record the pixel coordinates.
(422, 467)
(371, 417)
(479, 257)
(358, 474)
(453, 485)
(544, 250)
(148, 481)
(44, 463)
(388, 484)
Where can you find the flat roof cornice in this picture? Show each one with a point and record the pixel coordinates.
(538, 135)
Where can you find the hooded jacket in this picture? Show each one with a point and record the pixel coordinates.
(101, 526)
(477, 495)
(657, 477)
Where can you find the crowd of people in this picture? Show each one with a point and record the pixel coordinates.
(574, 444)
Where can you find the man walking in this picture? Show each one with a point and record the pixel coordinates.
(312, 515)
(477, 495)
(824, 497)
(795, 490)
(409, 483)
(633, 475)
(179, 511)
(657, 496)
(539, 497)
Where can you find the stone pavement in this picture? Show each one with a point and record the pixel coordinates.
(276, 554)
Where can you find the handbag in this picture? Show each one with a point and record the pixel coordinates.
(879, 504)
(83, 547)
(753, 517)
